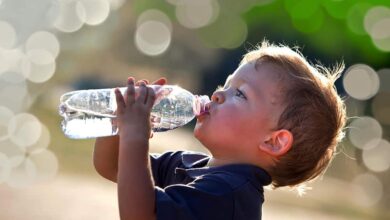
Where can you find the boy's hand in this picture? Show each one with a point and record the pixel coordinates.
(133, 112)
(161, 82)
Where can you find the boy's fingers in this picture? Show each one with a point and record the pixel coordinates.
(146, 81)
(143, 90)
(120, 102)
(130, 90)
(138, 83)
(151, 96)
(161, 81)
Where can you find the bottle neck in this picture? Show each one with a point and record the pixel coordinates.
(200, 103)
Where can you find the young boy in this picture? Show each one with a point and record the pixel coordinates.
(276, 120)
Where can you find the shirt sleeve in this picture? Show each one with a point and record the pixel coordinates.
(163, 166)
(207, 197)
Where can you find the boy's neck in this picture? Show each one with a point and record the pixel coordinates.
(213, 162)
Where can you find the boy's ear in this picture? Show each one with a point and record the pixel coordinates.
(278, 143)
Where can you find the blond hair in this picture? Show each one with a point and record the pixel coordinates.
(313, 112)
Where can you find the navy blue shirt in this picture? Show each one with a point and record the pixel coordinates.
(187, 189)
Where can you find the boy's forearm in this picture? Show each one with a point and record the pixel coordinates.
(135, 184)
(105, 157)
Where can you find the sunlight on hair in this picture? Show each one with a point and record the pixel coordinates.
(361, 82)
(152, 38)
(377, 158)
(377, 23)
(7, 36)
(197, 14)
(301, 189)
(363, 130)
(367, 190)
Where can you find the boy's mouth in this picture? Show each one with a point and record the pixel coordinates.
(205, 111)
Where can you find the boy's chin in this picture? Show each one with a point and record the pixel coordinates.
(198, 131)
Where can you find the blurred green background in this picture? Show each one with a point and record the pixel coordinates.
(49, 47)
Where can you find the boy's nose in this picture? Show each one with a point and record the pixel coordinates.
(218, 97)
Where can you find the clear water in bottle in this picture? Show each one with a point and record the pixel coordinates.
(91, 113)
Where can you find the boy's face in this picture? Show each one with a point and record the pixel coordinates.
(243, 113)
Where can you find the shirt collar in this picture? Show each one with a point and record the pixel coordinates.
(195, 166)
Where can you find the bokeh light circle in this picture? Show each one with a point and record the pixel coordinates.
(4, 64)
(4, 168)
(45, 165)
(303, 9)
(361, 82)
(309, 25)
(337, 9)
(116, 4)
(5, 116)
(22, 173)
(152, 38)
(17, 101)
(40, 57)
(10, 60)
(7, 36)
(43, 141)
(71, 16)
(213, 36)
(381, 30)
(354, 107)
(43, 40)
(24, 129)
(197, 14)
(375, 15)
(154, 15)
(377, 158)
(356, 15)
(368, 189)
(377, 23)
(95, 11)
(364, 130)
(40, 69)
(380, 107)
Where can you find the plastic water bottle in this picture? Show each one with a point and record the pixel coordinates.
(91, 113)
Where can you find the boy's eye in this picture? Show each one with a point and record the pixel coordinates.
(240, 94)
